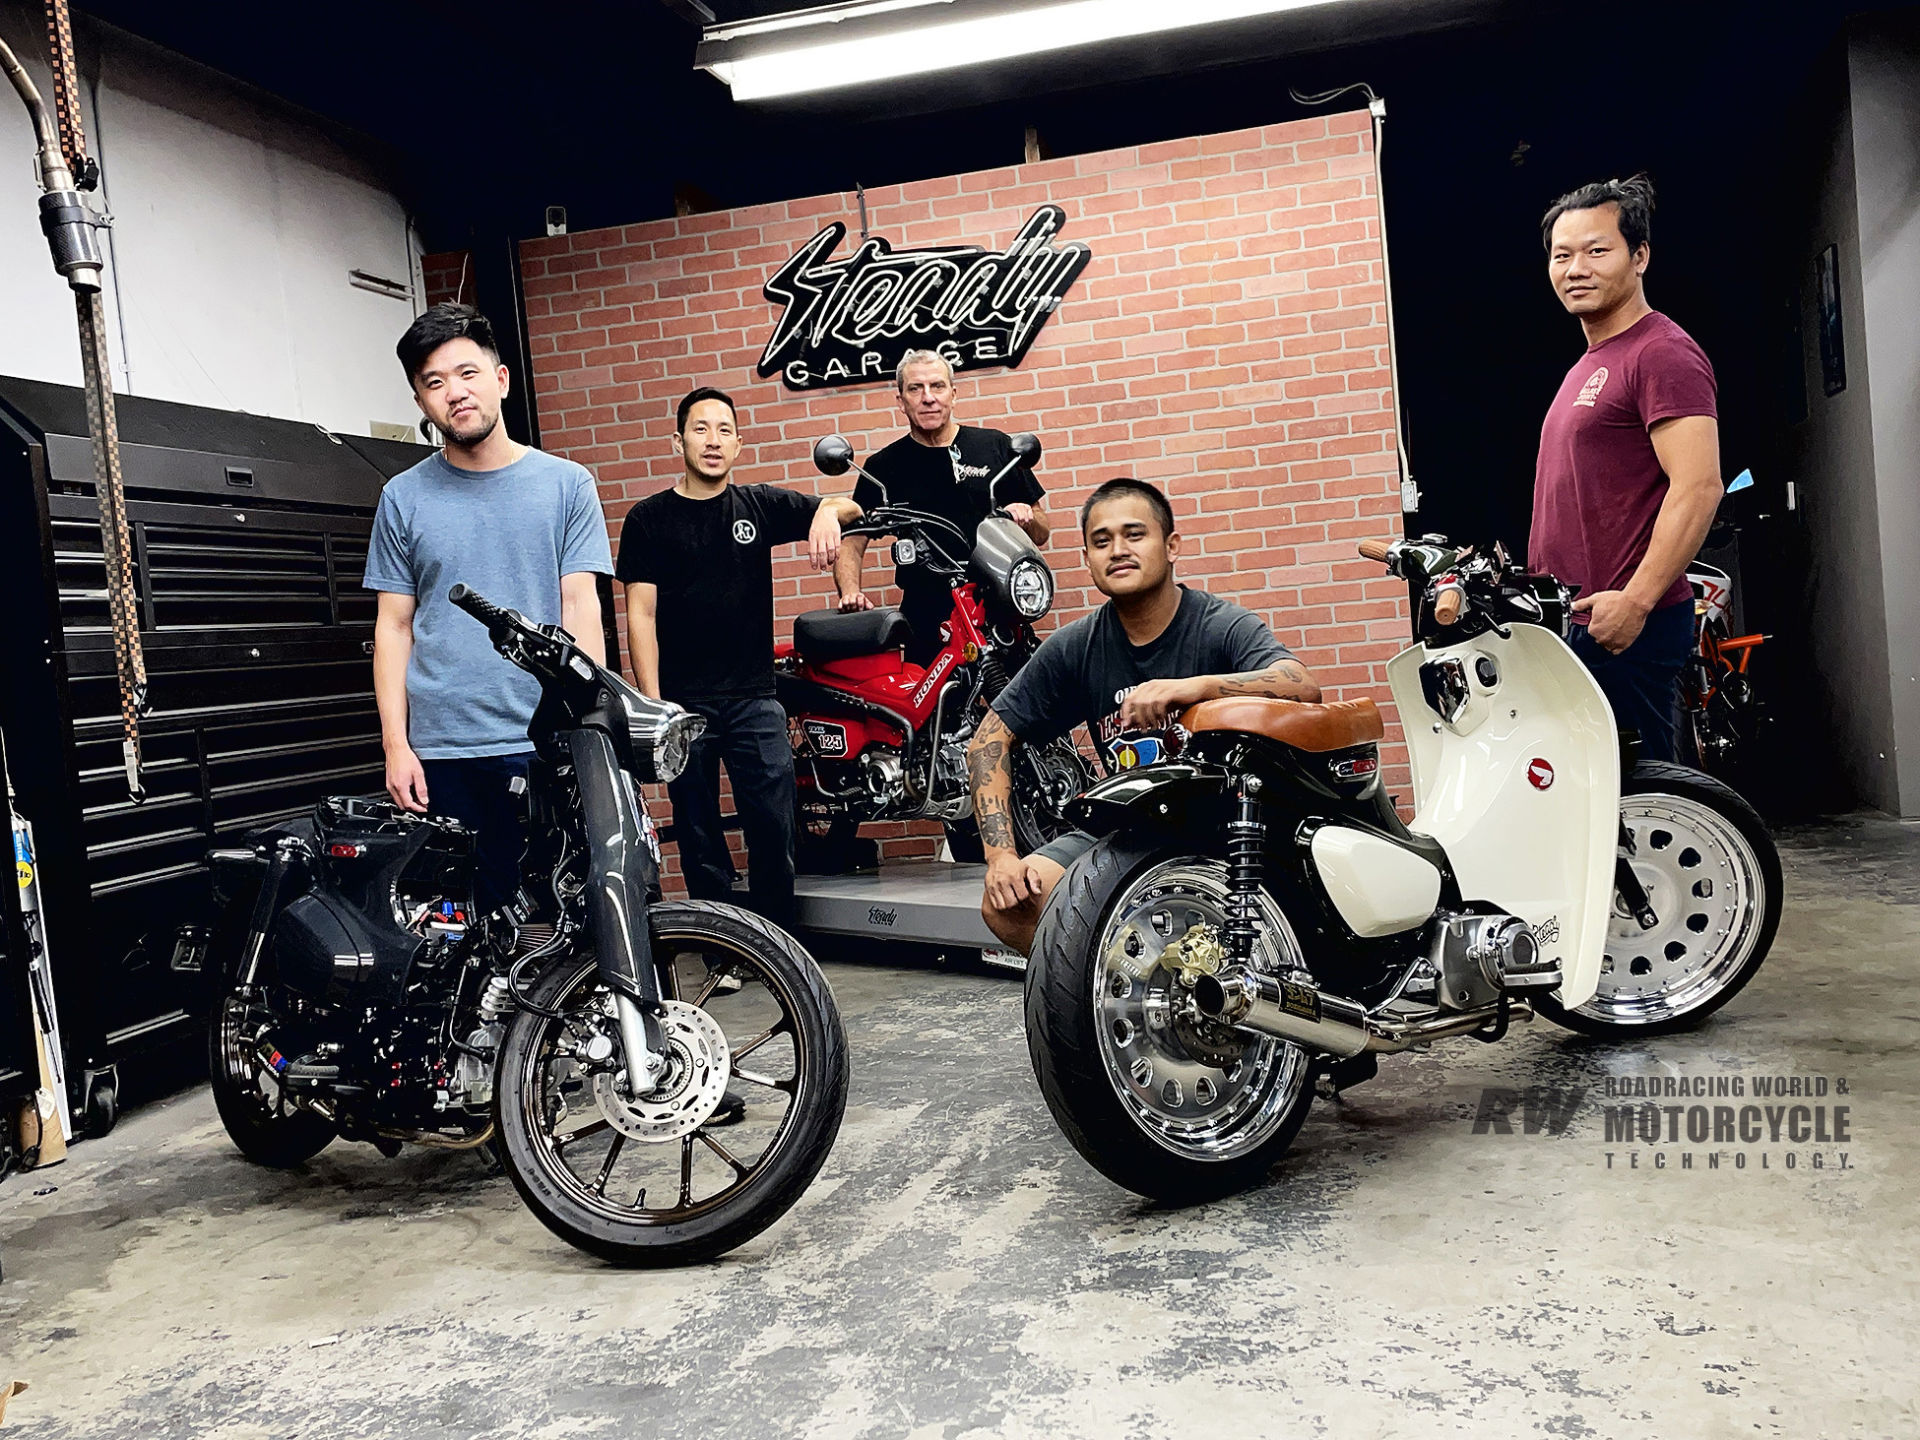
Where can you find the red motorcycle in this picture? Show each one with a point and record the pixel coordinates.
(878, 738)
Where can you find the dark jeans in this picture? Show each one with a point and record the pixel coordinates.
(751, 736)
(1642, 682)
(474, 791)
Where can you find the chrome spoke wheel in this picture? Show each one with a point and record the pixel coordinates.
(1196, 1088)
(1706, 885)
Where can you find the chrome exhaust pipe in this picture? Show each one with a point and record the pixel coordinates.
(1330, 1024)
(1285, 1009)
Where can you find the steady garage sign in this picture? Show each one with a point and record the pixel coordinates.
(848, 321)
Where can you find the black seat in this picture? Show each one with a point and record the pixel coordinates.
(822, 636)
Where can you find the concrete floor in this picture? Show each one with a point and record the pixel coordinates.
(957, 1271)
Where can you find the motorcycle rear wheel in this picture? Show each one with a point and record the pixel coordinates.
(1157, 1102)
(1712, 874)
(259, 1120)
(565, 1156)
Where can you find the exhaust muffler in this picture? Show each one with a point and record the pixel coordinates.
(1331, 1024)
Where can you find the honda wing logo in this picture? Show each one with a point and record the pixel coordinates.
(848, 321)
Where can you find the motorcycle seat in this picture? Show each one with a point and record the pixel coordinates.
(822, 636)
(1337, 725)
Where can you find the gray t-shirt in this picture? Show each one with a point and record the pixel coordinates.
(509, 534)
(1083, 672)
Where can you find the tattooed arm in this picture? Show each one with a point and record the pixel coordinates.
(1157, 703)
(1010, 880)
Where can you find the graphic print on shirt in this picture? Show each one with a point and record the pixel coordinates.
(1128, 749)
(1590, 392)
(743, 531)
(963, 472)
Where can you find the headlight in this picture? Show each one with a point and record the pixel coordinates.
(660, 747)
(1030, 587)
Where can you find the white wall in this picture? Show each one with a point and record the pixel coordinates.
(236, 220)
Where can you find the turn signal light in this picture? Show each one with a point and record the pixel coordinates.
(340, 851)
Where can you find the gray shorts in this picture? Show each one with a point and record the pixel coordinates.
(1067, 849)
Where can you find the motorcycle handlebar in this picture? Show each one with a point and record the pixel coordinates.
(1446, 607)
(1374, 549)
(478, 606)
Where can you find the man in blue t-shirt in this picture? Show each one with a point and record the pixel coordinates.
(1126, 672)
(523, 528)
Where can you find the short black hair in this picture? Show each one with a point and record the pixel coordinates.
(1633, 195)
(694, 397)
(438, 324)
(1126, 485)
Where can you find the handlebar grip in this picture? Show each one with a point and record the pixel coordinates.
(1446, 608)
(476, 605)
(1374, 549)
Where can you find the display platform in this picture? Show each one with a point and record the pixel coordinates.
(910, 902)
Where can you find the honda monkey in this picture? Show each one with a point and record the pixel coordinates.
(1256, 913)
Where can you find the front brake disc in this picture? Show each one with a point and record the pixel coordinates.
(698, 1063)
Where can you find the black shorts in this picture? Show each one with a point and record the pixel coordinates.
(1067, 849)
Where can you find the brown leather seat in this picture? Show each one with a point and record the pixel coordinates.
(1318, 728)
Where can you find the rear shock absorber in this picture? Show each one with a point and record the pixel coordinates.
(1246, 867)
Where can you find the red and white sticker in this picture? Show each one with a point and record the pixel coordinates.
(1540, 774)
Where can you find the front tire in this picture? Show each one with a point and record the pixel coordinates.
(574, 1166)
(1712, 874)
(1157, 1100)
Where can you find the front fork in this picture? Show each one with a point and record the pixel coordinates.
(622, 876)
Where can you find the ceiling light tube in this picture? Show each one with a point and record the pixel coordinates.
(795, 63)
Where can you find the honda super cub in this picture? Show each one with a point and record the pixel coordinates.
(1256, 913)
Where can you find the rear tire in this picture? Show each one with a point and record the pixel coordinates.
(1713, 876)
(272, 1134)
(1088, 1042)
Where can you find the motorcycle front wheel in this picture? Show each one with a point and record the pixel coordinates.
(1154, 1096)
(1712, 876)
(645, 1180)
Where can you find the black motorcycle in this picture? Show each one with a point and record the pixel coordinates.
(587, 1030)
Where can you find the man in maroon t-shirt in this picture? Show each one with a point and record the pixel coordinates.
(1629, 471)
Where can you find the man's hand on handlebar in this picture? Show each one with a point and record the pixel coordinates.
(407, 780)
(855, 600)
(1020, 514)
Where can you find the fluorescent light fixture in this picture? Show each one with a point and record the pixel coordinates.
(797, 63)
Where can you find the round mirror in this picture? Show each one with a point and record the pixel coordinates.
(833, 454)
(1027, 447)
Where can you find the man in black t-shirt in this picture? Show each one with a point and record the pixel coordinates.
(697, 564)
(944, 468)
(1125, 672)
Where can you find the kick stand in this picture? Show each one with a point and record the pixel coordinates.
(1341, 1075)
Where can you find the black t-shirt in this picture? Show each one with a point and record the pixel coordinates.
(951, 482)
(712, 563)
(1083, 671)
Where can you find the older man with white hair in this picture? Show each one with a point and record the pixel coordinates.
(942, 467)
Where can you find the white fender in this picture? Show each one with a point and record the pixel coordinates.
(1378, 887)
(1522, 788)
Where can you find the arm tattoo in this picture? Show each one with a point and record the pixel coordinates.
(996, 829)
(1284, 679)
(982, 761)
(990, 776)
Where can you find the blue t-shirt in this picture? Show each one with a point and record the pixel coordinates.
(509, 534)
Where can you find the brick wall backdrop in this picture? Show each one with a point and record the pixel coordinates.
(1227, 341)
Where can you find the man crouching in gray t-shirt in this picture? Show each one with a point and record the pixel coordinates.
(523, 528)
(1125, 672)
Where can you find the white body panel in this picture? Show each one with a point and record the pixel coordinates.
(1378, 887)
(1544, 854)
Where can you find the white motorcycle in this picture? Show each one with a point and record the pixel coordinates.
(1256, 915)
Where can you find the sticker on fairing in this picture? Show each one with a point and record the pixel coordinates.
(826, 740)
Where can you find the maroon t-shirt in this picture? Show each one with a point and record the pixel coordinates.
(1598, 486)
